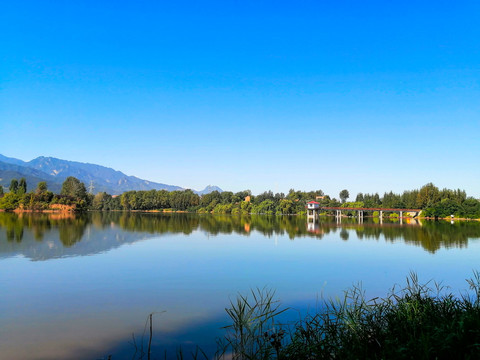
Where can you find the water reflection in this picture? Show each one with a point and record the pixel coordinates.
(191, 266)
(430, 235)
(43, 236)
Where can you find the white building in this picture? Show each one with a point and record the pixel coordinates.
(313, 208)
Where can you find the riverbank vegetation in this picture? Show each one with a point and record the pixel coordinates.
(415, 322)
(432, 201)
(418, 321)
(73, 196)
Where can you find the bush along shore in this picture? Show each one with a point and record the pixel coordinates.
(433, 202)
(418, 321)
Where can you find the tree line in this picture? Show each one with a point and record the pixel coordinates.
(430, 199)
(72, 194)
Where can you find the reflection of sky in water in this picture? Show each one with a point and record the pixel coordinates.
(79, 307)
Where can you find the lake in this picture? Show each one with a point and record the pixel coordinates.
(78, 286)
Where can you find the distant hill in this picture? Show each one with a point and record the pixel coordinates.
(13, 161)
(102, 178)
(209, 189)
(32, 176)
(54, 171)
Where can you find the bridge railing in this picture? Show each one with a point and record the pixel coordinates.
(368, 209)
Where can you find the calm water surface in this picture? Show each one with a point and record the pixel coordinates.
(77, 287)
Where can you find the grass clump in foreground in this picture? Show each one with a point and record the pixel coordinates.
(416, 322)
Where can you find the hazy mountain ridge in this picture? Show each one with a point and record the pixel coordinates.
(10, 160)
(55, 171)
(32, 176)
(209, 189)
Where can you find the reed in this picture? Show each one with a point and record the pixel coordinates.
(416, 321)
(254, 332)
(421, 321)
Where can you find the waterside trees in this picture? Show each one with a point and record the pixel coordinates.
(73, 196)
(432, 201)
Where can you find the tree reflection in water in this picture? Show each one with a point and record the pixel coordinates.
(71, 228)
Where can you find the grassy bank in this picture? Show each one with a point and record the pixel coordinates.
(418, 321)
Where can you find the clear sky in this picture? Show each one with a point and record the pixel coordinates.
(363, 95)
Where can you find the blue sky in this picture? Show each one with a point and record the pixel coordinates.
(368, 96)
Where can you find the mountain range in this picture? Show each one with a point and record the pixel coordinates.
(54, 171)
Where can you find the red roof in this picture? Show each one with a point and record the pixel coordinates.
(313, 202)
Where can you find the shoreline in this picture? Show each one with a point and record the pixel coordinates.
(69, 209)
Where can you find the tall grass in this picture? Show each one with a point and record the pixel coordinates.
(254, 332)
(418, 321)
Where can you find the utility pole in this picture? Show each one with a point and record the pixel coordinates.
(91, 187)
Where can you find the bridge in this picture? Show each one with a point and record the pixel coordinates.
(313, 207)
(362, 210)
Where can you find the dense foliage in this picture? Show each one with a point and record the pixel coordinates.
(433, 201)
(73, 195)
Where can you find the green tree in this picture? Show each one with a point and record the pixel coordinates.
(1, 191)
(428, 195)
(344, 195)
(266, 207)
(245, 207)
(226, 197)
(9, 201)
(130, 200)
(267, 195)
(74, 188)
(359, 197)
(102, 201)
(471, 208)
(213, 197)
(285, 206)
(391, 200)
(241, 195)
(41, 187)
(22, 186)
(13, 186)
(162, 199)
(409, 199)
